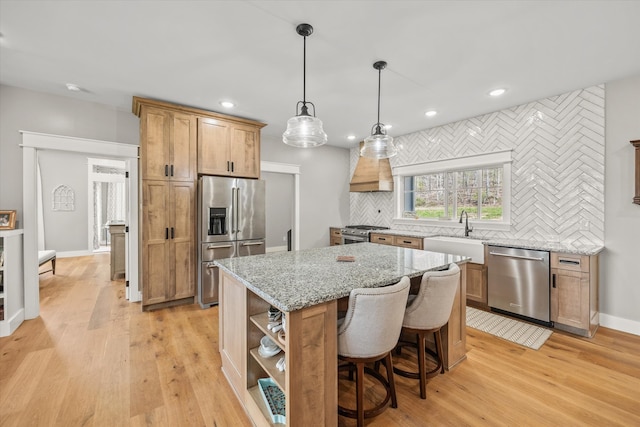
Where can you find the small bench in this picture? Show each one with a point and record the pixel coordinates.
(46, 256)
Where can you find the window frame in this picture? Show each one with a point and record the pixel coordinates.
(475, 161)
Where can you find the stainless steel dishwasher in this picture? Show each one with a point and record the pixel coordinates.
(518, 282)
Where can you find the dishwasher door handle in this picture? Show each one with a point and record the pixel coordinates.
(517, 256)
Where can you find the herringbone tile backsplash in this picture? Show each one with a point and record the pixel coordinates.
(557, 180)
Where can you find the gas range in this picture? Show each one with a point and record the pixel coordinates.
(358, 233)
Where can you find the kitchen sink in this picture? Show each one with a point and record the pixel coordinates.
(472, 248)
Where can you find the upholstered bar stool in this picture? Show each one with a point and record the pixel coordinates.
(368, 333)
(426, 313)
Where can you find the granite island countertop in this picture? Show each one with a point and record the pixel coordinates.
(294, 280)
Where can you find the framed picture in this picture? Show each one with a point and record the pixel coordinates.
(7, 220)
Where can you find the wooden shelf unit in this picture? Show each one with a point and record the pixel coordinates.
(309, 381)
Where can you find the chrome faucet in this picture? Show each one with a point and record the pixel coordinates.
(467, 229)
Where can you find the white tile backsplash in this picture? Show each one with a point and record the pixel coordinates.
(557, 170)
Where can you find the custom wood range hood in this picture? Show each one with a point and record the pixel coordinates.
(371, 175)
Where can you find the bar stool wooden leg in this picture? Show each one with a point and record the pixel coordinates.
(392, 384)
(438, 343)
(421, 365)
(360, 393)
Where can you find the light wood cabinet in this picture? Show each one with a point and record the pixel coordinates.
(167, 145)
(574, 293)
(394, 240)
(382, 239)
(636, 144)
(227, 148)
(168, 242)
(309, 382)
(477, 284)
(118, 240)
(408, 242)
(335, 236)
(175, 143)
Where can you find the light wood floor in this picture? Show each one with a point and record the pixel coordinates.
(94, 359)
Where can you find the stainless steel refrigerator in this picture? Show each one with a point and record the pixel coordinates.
(231, 222)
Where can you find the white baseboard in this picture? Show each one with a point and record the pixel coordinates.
(8, 326)
(71, 254)
(276, 249)
(620, 324)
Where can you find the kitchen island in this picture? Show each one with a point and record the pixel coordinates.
(308, 286)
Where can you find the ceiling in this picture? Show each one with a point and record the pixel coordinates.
(442, 55)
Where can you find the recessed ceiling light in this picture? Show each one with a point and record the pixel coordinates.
(351, 137)
(73, 87)
(227, 104)
(431, 113)
(497, 92)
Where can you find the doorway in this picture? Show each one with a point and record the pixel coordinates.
(32, 143)
(107, 200)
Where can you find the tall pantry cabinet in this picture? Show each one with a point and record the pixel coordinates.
(168, 212)
(176, 144)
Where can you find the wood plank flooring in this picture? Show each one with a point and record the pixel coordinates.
(94, 359)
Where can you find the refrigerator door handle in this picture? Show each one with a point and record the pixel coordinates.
(233, 213)
(219, 247)
(253, 244)
(238, 209)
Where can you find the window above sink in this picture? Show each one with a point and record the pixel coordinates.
(436, 193)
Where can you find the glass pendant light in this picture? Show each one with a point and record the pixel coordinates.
(379, 145)
(304, 130)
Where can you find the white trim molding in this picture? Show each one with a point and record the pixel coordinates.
(294, 170)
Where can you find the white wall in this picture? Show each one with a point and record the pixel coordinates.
(22, 109)
(620, 273)
(64, 230)
(324, 187)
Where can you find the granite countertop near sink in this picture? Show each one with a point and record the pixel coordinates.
(568, 248)
(295, 280)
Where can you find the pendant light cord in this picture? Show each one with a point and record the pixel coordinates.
(379, 78)
(304, 71)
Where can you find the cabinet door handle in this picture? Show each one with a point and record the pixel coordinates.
(407, 241)
(166, 170)
(232, 166)
(568, 261)
(171, 170)
(381, 238)
(166, 233)
(172, 232)
(228, 166)
(553, 280)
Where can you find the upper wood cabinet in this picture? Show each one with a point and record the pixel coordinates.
(167, 145)
(194, 141)
(636, 198)
(228, 148)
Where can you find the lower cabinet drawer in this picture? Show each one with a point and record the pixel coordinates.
(383, 239)
(408, 242)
